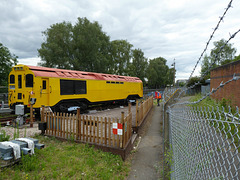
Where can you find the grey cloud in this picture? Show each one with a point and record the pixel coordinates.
(166, 28)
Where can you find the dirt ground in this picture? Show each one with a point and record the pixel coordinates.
(115, 112)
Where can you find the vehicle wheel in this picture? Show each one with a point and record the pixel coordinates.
(63, 107)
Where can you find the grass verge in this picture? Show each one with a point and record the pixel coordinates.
(67, 160)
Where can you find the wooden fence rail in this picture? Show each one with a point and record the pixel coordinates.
(142, 110)
(89, 129)
(103, 131)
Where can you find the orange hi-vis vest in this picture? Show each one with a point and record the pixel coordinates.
(158, 95)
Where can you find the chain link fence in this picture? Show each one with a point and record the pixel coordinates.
(204, 142)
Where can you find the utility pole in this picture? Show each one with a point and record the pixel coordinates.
(174, 71)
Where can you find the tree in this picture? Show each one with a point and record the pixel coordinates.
(205, 69)
(138, 65)
(193, 80)
(83, 46)
(157, 73)
(7, 60)
(219, 55)
(225, 56)
(121, 53)
(237, 58)
(170, 76)
(90, 46)
(57, 51)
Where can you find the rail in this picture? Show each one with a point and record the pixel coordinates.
(143, 109)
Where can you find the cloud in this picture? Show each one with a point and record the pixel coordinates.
(168, 28)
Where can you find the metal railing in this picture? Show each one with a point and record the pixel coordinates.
(204, 142)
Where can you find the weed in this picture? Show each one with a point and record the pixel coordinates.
(25, 132)
(168, 160)
(16, 132)
(4, 136)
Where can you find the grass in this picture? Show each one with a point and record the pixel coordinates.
(67, 160)
(220, 121)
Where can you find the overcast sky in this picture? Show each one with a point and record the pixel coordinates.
(168, 28)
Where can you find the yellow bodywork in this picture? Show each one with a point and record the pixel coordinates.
(49, 95)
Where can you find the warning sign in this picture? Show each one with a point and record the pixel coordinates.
(117, 128)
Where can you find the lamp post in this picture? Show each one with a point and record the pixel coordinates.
(173, 64)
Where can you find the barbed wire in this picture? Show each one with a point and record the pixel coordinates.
(216, 56)
(211, 65)
(221, 85)
(211, 36)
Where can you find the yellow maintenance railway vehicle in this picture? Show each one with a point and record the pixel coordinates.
(62, 89)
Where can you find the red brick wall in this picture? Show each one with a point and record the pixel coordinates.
(231, 90)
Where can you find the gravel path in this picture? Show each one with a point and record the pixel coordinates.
(24, 131)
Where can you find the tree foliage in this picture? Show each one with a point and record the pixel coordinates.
(225, 55)
(157, 73)
(7, 60)
(57, 50)
(84, 46)
(81, 47)
(90, 47)
(139, 65)
(220, 55)
(121, 53)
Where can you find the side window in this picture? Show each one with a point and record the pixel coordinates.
(19, 81)
(68, 87)
(29, 80)
(12, 79)
(44, 84)
(80, 87)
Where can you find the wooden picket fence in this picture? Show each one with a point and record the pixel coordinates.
(88, 129)
(143, 109)
(92, 129)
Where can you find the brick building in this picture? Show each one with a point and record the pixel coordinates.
(230, 91)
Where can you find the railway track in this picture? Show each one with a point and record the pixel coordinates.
(6, 121)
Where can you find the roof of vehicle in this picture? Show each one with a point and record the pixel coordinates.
(63, 73)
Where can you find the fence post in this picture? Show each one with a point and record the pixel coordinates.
(129, 107)
(31, 115)
(42, 113)
(137, 113)
(123, 136)
(78, 122)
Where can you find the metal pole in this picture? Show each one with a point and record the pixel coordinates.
(31, 115)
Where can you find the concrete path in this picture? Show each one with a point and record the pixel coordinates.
(147, 162)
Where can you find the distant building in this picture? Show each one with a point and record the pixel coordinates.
(206, 87)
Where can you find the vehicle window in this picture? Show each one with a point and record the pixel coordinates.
(12, 79)
(19, 81)
(68, 87)
(80, 87)
(29, 80)
(44, 84)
